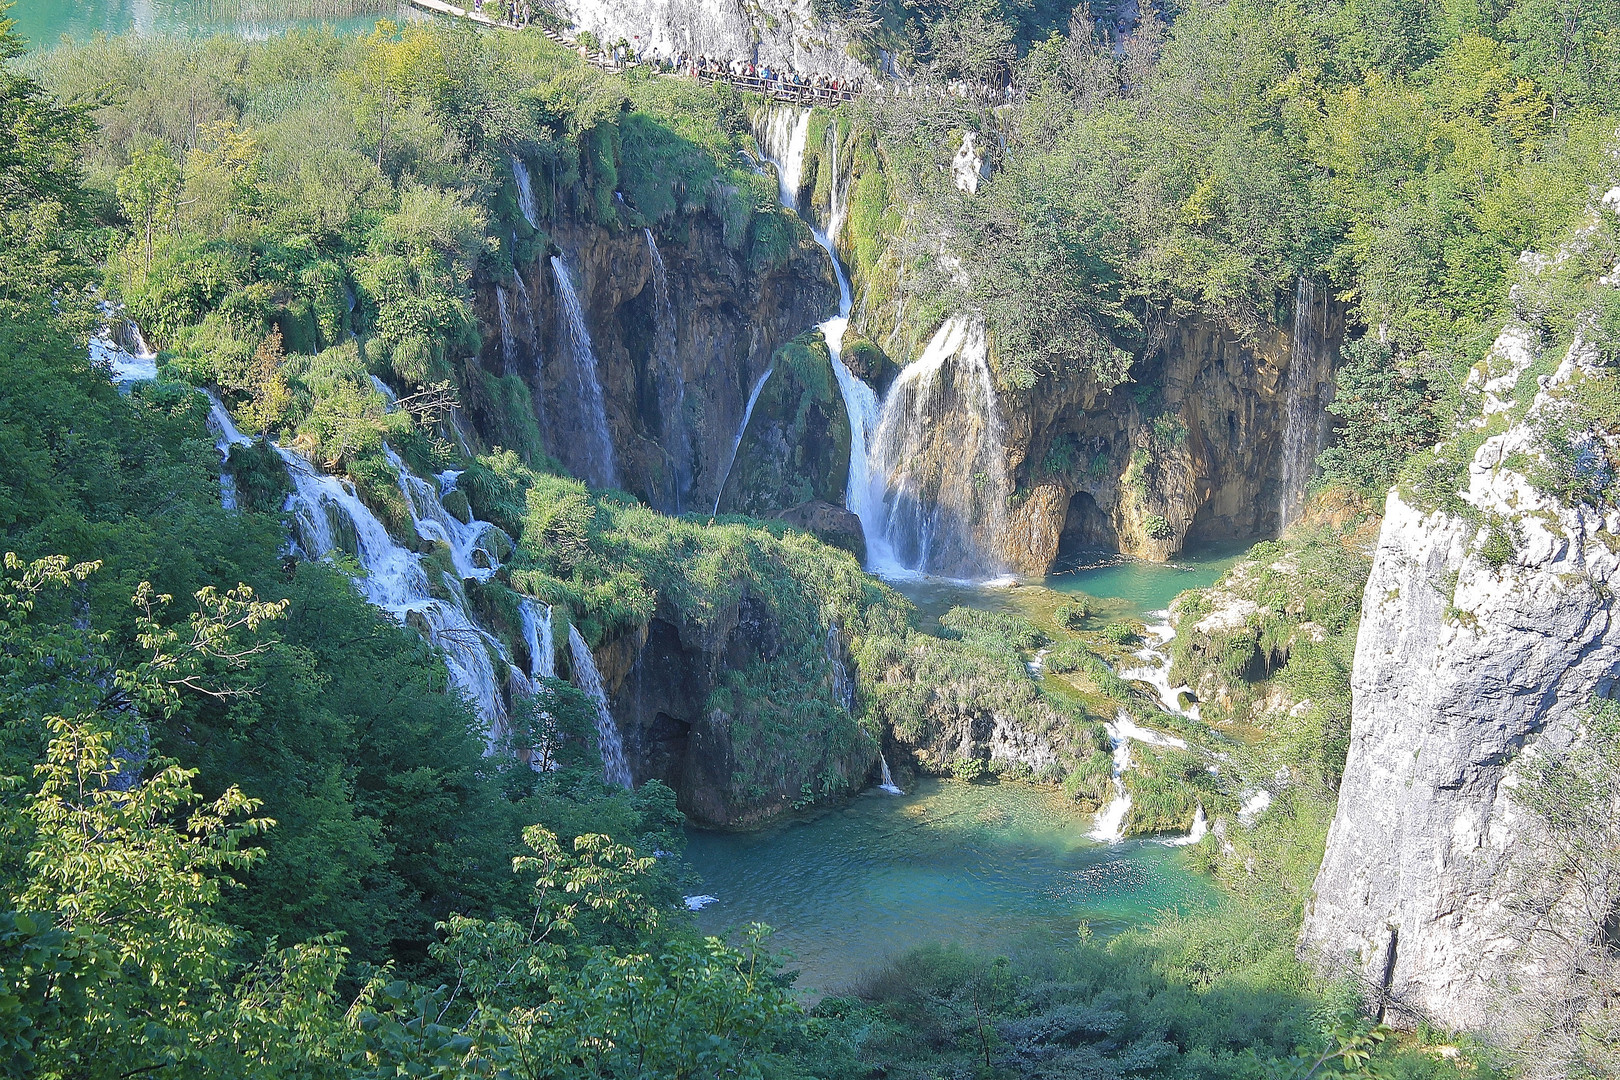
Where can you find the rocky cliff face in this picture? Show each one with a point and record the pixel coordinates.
(1196, 447)
(775, 32)
(1483, 636)
(674, 395)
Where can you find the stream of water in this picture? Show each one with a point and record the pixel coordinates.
(44, 22)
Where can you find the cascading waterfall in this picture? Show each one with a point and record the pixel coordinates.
(326, 513)
(671, 379)
(938, 489)
(1110, 828)
(931, 496)
(537, 636)
(887, 783)
(470, 552)
(736, 441)
(614, 766)
(595, 459)
(525, 192)
(1305, 427)
(508, 344)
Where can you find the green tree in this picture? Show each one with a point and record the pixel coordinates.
(1384, 416)
(148, 189)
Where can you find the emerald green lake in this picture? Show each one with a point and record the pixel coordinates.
(44, 22)
(982, 865)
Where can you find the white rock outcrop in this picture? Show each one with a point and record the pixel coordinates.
(1462, 669)
(774, 32)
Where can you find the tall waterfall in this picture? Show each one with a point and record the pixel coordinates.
(508, 346)
(736, 441)
(614, 766)
(927, 472)
(671, 380)
(1310, 379)
(595, 454)
(537, 636)
(938, 485)
(525, 191)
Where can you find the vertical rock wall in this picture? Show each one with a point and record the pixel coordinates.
(1462, 669)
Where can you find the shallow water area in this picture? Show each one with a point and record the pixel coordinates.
(45, 22)
(982, 865)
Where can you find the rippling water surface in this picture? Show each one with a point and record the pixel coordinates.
(981, 865)
(44, 22)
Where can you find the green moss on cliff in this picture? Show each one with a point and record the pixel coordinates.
(796, 447)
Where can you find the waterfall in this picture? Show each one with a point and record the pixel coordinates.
(671, 379)
(589, 679)
(887, 783)
(736, 442)
(469, 551)
(390, 399)
(595, 454)
(782, 136)
(1305, 427)
(537, 636)
(938, 481)
(328, 517)
(1200, 827)
(225, 436)
(123, 366)
(525, 192)
(843, 687)
(508, 346)
(1155, 669)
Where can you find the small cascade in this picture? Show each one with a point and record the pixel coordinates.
(508, 343)
(843, 687)
(537, 636)
(887, 783)
(938, 482)
(671, 379)
(470, 552)
(525, 192)
(1155, 669)
(1253, 806)
(225, 436)
(1110, 828)
(614, 766)
(122, 365)
(1200, 828)
(1310, 379)
(390, 399)
(595, 458)
(736, 442)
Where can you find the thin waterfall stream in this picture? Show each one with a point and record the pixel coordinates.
(595, 458)
(611, 743)
(671, 380)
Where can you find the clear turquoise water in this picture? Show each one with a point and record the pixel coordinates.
(45, 22)
(979, 865)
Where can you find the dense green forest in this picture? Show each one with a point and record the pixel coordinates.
(246, 830)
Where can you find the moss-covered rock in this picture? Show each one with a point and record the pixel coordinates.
(796, 445)
(868, 362)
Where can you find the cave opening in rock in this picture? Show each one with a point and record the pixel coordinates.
(1086, 528)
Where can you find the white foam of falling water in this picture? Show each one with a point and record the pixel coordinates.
(448, 480)
(537, 636)
(887, 783)
(1110, 827)
(393, 579)
(595, 459)
(1155, 668)
(470, 552)
(611, 744)
(124, 366)
(671, 379)
(1254, 806)
(525, 192)
(508, 344)
(1200, 827)
(699, 902)
(736, 442)
(938, 481)
(783, 136)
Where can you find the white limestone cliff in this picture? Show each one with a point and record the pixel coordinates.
(1464, 669)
